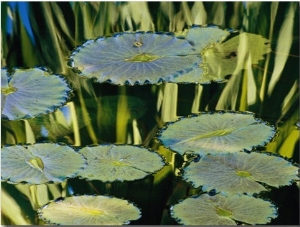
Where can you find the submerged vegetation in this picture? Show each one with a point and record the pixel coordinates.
(118, 154)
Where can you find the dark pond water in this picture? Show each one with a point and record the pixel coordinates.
(44, 34)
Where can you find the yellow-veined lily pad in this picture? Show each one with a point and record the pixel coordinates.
(216, 132)
(29, 92)
(89, 210)
(110, 163)
(39, 163)
(240, 172)
(221, 210)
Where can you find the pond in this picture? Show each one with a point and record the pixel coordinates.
(234, 89)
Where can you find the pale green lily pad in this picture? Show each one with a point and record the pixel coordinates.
(230, 57)
(29, 92)
(204, 37)
(221, 210)
(240, 172)
(110, 163)
(216, 133)
(89, 210)
(39, 163)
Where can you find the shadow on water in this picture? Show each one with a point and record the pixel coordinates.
(45, 33)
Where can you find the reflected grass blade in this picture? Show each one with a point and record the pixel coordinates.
(284, 44)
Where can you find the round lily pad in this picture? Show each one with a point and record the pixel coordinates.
(216, 132)
(240, 172)
(110, 163)
(221, 210)
(28, 92)
(89, 210)
(39, 163)
(135, 58)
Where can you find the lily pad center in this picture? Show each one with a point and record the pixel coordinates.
(120, 163)
(88, 211)
(242, 173)
(8, 90)
(143, 57)
(216, 133)
(36, 162)
(220, 132)
(223, 212)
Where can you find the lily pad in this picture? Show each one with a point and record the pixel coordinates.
(232, 56)
(29, 92)
(216, 132)
(89, 210)
(240, 172)
(39, 163)
(110, 163)
(202, 37)
(221, 210)
(135, 58)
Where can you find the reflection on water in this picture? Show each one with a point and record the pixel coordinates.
(45, 34)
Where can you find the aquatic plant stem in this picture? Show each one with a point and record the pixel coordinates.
(85, 114)
(75, 124)
(263, 93)
(169, 103)
(30, 138)
(197, 98)
(122, 116)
